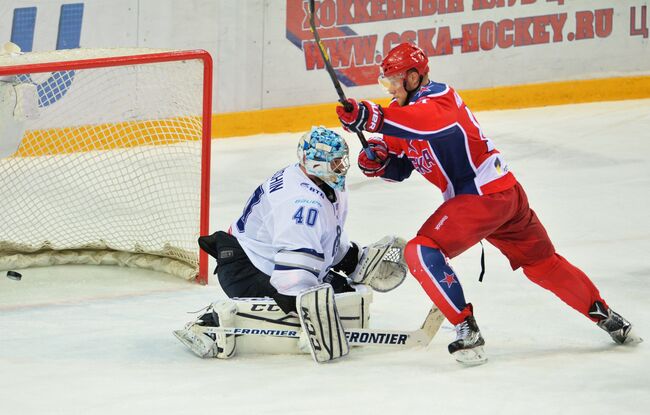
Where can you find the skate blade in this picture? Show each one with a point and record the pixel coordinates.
(188, 340)
(632, 338)
(471, 357)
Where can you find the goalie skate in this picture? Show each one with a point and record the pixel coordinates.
(205, 343)
(468, 346)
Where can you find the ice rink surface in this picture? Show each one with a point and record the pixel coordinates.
(97, 340)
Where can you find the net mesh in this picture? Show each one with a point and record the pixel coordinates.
(101, 160)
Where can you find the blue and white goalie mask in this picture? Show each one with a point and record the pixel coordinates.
(324, 154)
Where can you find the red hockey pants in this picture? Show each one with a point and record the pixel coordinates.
(506, 220)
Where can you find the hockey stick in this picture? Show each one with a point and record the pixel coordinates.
(337, 85)
(357, 337)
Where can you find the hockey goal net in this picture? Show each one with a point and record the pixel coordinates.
(105, 158)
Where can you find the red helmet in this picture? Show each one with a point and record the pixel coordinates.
(403, 57)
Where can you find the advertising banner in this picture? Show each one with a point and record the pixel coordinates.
(265, 55)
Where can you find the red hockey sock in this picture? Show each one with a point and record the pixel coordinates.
(429, 266)
(556, 274)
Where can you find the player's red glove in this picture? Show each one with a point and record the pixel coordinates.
(365, 115)
(376, 167)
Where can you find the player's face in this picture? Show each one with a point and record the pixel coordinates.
(391, 83)
(399, 85)
(394, 85)
(340, 165)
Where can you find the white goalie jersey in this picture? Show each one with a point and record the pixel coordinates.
(291, 231)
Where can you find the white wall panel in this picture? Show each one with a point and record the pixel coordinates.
(259, 62)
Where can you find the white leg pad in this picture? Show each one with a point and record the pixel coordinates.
(319, 319)
(263, 313)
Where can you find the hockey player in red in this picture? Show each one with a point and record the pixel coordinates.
(427, 127)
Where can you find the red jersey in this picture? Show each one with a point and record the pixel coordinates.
(437, 135)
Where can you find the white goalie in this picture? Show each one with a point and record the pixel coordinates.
(290, 247)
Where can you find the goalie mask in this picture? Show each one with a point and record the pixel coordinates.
(324, 154)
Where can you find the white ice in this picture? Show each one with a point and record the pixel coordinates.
(97, 340)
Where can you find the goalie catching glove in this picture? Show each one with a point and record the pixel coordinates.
(382, 264)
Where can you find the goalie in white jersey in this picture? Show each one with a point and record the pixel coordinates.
(288, 242)
(291, 230)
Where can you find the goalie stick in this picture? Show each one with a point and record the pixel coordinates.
(337, 85)
(357, 337)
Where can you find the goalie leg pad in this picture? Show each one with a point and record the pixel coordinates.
(265, 314)
(320, 320)
(204, 343)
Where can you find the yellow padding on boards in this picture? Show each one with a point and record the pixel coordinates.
(109, 136)
(298, 119)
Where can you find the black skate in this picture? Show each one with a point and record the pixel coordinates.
(468, 346)
(613, 323)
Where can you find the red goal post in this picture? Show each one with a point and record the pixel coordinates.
(105, 158)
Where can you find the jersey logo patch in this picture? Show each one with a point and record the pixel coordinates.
(423, 163)
(276, 181)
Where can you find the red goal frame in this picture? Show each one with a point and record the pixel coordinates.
(156, 57)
